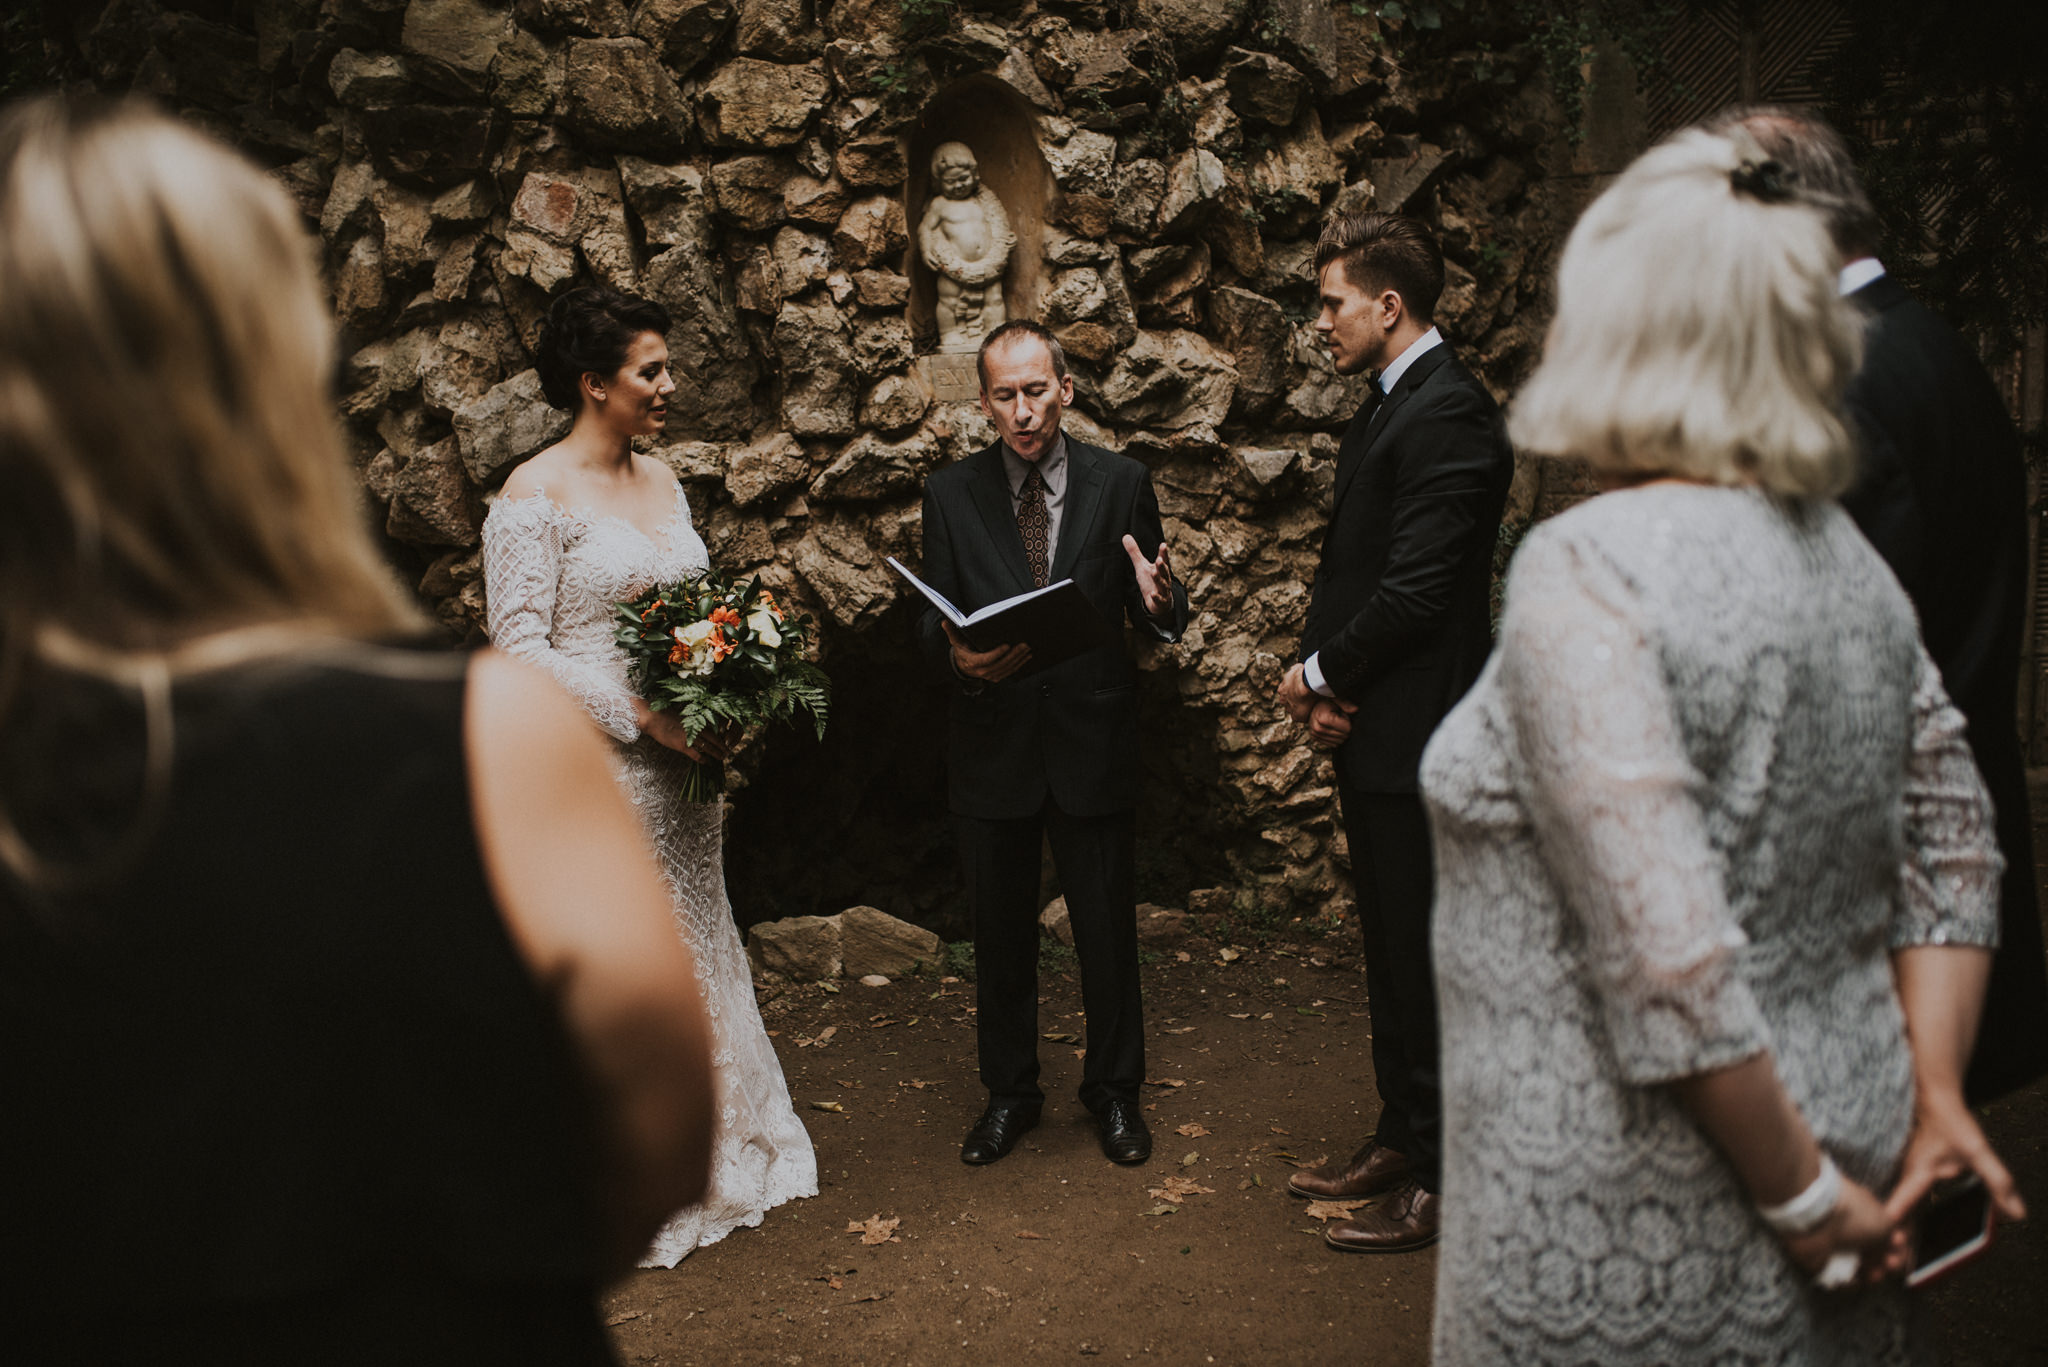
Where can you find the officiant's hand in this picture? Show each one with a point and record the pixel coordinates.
(1329, 722)
(1155, 577)
(713, 747)
(990, 666)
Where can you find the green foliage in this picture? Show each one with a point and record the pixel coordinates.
(1505, 543)
(1250, 921)
(1565, 32)
(718, 653)
(923, 16)
(960, 960)
(1054, 957)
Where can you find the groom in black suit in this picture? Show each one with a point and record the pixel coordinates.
(1398, 627)
(1048, 754)
(1941, 493)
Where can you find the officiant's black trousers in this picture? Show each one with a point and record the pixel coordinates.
(1094, 856)
(1394, 873)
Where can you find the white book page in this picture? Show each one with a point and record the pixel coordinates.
(954, 614)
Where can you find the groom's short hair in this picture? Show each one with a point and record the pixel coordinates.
(1008, 335)
(1386, 252)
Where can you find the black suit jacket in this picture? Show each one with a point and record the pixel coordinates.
(1069, 730)
(1942, 495)
(1400, 608)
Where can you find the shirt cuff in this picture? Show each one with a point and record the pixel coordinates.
(1312, 675)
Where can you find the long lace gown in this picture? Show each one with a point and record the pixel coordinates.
(552, 577)
(1704, 787)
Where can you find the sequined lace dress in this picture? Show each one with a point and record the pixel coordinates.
(1707, 782)
(552, 576)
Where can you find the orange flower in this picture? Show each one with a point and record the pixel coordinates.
(768, 602)
(725, 616)
(720, 646)
(679, 654)
(658, 605)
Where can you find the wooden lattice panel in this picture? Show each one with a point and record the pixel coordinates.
(1746, 52)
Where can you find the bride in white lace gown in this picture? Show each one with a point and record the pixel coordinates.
(580, 527)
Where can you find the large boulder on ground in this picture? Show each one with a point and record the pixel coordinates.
(802, 947)
(873, 941)
(1055, 922)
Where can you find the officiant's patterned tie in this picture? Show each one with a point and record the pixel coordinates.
(1036, 524)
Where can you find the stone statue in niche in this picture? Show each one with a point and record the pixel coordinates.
(965, 238)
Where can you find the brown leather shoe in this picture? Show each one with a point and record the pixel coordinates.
(1372, 1170)
(1405, 1219)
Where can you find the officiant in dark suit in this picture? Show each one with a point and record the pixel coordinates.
(1049, 754)
(1399, 625)
(1941, 493)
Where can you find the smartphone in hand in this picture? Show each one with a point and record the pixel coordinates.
(1950, 1226)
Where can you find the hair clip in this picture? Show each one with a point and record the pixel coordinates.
(1769, 180)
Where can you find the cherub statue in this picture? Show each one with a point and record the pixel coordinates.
(965, 238)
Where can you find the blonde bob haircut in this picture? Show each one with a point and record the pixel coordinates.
(1699, 331)
(170, 465)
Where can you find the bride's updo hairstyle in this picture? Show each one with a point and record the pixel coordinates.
(1699, 331)
(170, 462)
(588, 330)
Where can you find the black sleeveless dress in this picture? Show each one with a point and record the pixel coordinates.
(275, 1085)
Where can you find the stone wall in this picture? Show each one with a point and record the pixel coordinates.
(747, 162)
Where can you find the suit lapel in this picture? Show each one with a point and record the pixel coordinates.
(1077, 519)
(1381, 418)
(999, 513)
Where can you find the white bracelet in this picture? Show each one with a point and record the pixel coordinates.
(1810, 1209)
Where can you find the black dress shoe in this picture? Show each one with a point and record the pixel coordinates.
(997, 1132)
(1124, 1136)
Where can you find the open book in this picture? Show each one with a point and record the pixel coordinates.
(1057, 622)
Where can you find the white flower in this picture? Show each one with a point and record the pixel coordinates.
(763, 623)
(696, 639)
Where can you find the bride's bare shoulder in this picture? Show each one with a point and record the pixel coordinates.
(545, 471)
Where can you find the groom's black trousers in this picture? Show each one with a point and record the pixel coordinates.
(1095, 857)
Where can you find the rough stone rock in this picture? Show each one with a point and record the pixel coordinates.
(1216, 123)
(870, 233)
(509, 423)
(431, 503)
(765, 468)
(872, 162)
(880, 345)
(684, 32)
(747, 191)
(1264, 468)
(1194, 29)
(810, 200)
(470, 202)
(1083, 163)
(1170, 379)
(1170, 290)
(466, 358)
(669, 201)
(1256, 331)
(783, 30)
(450, 43)
(874, 942)
(705, 343)
(407, 223)
(752, 103)
(359, 284)
(1118, 66)
(366, 80)
(1074, 295)
(1055, 922)
(893, 404)
(1160, 927)
(1016, 71)
(871, 469)
(1302, 165)
(556, 212)
(590, 18)
(1194, 186)
(881, 289)
(526, 76)
(1140, 186)
(817, 367)
(1263, 89)
(1323, 398)
(1090, 216)
(619, 96)
(805, 948)
(349, 200)
(433, 145)
(1400, 179)
(839, 567)
(1305, 32)
(456, 268)
(799, 260)
(695, 462)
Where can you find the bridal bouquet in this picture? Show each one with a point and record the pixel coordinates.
(713, 651)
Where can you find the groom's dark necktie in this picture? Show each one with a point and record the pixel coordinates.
(1035, 523)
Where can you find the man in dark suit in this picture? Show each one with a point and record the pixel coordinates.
(1048, 754)
(1941, 493)
(1398, 627)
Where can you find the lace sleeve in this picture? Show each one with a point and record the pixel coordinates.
(1609, 790)
(522, 569)
(1948, 893)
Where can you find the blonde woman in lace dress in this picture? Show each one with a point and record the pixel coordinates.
(1716, 876)
(582, 526)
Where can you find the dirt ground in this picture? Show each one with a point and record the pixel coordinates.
(1258, 1060)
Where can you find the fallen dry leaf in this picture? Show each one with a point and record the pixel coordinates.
(999, 1294)
(1181, 956)
(1224, 956)
(831, 1106)
(876, 1230)
(822, 1036)
(1278, 1130)
(1267, 1016)
(1332, 1210)
(1062, 1036)
(1188, 1159)
(1194, 1129)
(1315, 1162)
(872, 1296)
(876, 1025)
(1027, 1234)
(918, 1083)
(1240, 1015)
(1183, 1030)
(623, 1316)
(1164, 1082)
(1178, 1188)
(1163, 1209)
(835, 1283)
